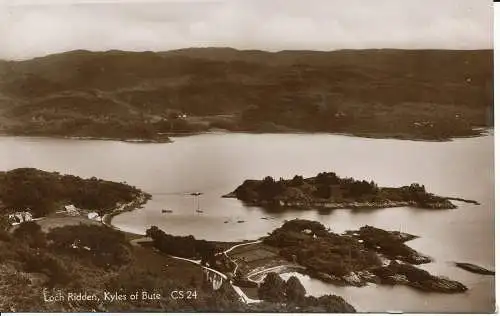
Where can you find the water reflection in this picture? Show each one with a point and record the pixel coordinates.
(217, 164)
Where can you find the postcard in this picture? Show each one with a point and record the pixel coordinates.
(325, 156)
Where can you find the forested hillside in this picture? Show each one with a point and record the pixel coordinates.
(430, 94)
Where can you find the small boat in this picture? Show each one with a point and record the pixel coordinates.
(196, 193)
(199, 211)
(167, 211)
(240, 222)
(225, 222)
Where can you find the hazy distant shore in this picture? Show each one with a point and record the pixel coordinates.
(369, 93)
(165, 138)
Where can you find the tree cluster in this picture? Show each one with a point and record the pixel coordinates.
(387, 243)
(291, 296)
(274, 289)
(328, 187)
(311, 245)
(102, 245)
(42, 192)
(182, 246)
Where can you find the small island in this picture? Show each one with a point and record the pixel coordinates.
(329, 191)
(474, 268)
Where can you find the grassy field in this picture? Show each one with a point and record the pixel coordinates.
(58, 220)
(257, 257)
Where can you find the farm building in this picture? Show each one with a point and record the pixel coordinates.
(71, 210)
(94, 216)
(20, 217)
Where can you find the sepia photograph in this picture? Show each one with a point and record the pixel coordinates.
(247, 156)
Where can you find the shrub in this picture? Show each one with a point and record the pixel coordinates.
(295, 291)
(103, 245)
(31, 233)
(273, 288)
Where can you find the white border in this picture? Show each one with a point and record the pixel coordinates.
(496, 19)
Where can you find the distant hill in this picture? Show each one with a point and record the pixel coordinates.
(430, 94)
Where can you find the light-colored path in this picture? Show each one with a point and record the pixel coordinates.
(236, 246)
(259, 272)
(198, 262)
(238, 291)
(240, 245)
(135, 242)
(243, 296)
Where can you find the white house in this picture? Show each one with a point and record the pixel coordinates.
(13, 219)
(94, 216)
(71, 210)
(28, 217)
(20, 217)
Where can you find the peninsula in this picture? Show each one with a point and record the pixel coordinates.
(329, 191)
(44, 193)
(66, 248)
(368, 255)
(352, 258)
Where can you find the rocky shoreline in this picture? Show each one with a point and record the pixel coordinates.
(309, 205)
(139, 201)
(389, 276)
(357, 258)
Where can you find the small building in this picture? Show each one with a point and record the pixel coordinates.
(71, 210)
(94, 216)
(14, 219)
(76, 244)
(28, 217)
(20, 217)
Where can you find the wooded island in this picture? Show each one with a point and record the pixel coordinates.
(329, 191)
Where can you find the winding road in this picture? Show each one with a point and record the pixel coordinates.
(240, 245)
(238, 291)
(283, 266)
(241, 294)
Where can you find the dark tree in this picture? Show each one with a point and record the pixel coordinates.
(295, 291)
(31, 233)
(297, 181)
(4, 223)
(327, 178)
(323, 191)
(273, 288)
(182, 246)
